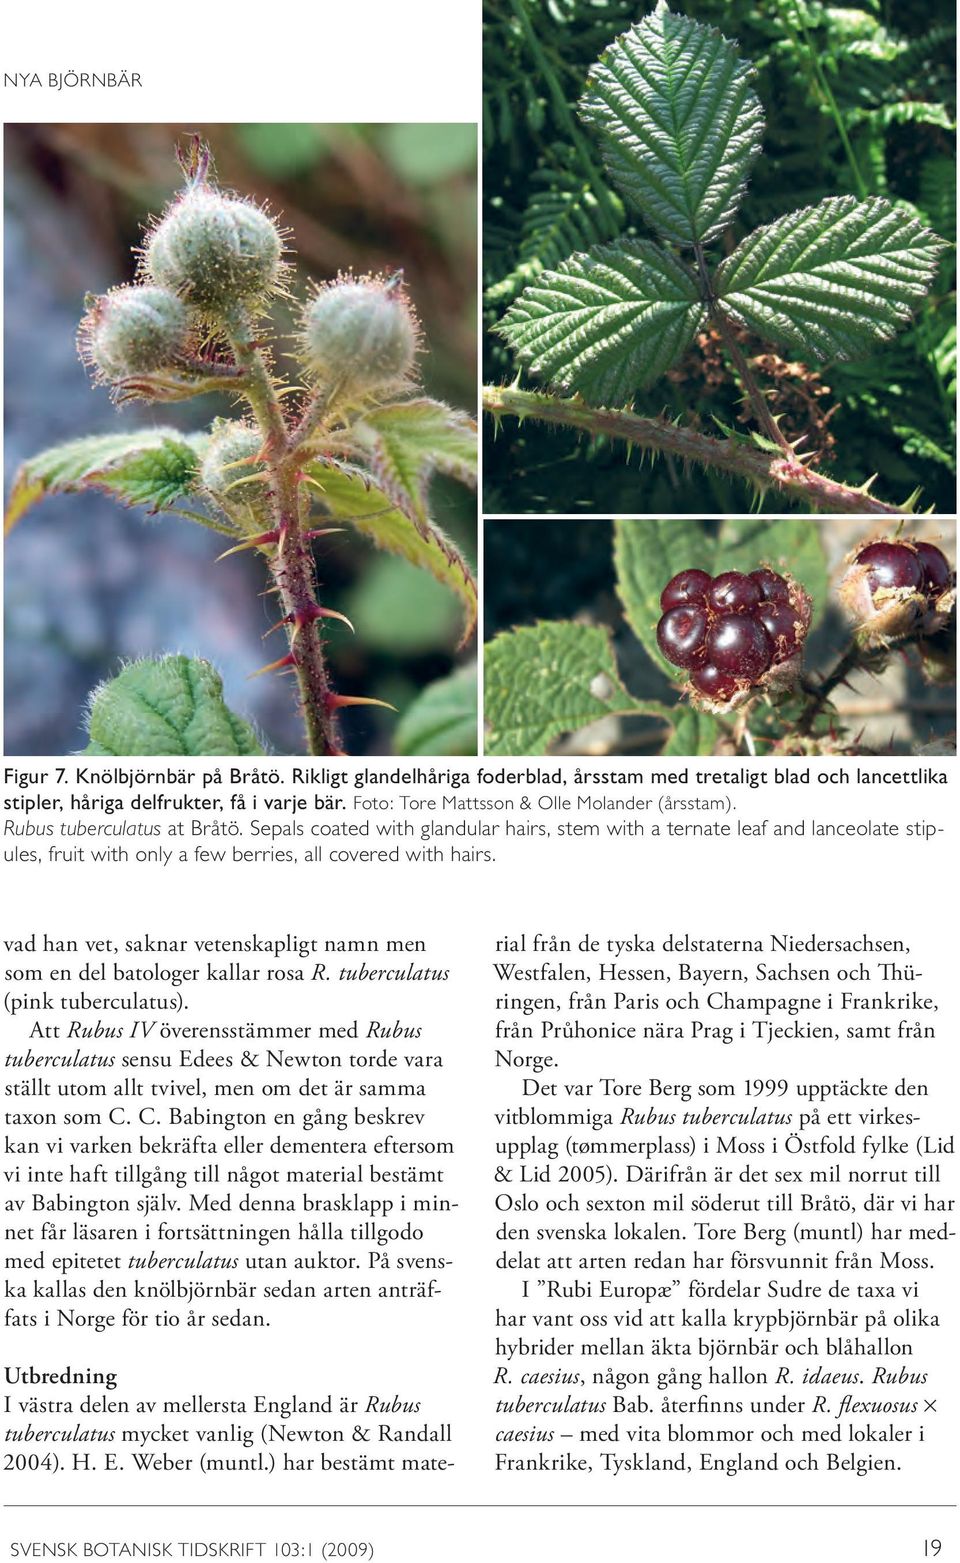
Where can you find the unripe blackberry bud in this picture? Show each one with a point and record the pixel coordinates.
(216, 251)
(232, 442)
(360, 335)
(133, 330)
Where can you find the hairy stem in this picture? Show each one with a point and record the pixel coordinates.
(784, 474)
(292, 561)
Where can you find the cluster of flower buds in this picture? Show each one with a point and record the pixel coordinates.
(210, 254)
(893, 588)
(215, 259)
(734, 634)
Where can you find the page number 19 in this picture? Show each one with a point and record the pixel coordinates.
(931, 1549)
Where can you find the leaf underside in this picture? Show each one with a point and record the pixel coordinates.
(169, 706)
(679, 123)
(151, 467)
(405, 444)
(606, 322)
(350, 495)
(832, 280)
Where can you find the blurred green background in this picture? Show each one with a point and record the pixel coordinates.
(88, 584)
(858, 99)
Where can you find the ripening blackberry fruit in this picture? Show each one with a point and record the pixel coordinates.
(681, 634)
(734, 593)
(937, 574)
(734, 632)
(688, 586)
(739, 644)
(894, 587)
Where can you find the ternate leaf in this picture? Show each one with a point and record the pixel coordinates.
(832, 280)
(350, 495)
(606, 322)
(170, 706)
(547, 679)
(151, 467)
(678, 121)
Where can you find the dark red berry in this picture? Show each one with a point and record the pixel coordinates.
(715, 685)
(773, 587)
(937, 574)
(734, 593)
(739, 645)
(891, 567)
(681, 634)
(688, 586)
(784, 626)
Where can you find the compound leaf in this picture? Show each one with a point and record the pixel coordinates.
(443, 718)
(544, 680)
(679, 123)
(168, 706)
(606, 322)
(351, 495)
(151, 467)
(832, 280)
(405, 444)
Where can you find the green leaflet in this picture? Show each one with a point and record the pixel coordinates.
(405, 444)
(833, 280)
(679, 123)
(171, 706)
(606, 322)
(544, 680)
(443, 718)
(350, 495)
(694, 732)
(150, 467)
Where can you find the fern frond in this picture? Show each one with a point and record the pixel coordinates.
(563, 216)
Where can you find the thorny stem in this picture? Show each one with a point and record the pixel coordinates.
(738, 458)
(755, 396)
(292, 562)
(853, 657)
(820, 693)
